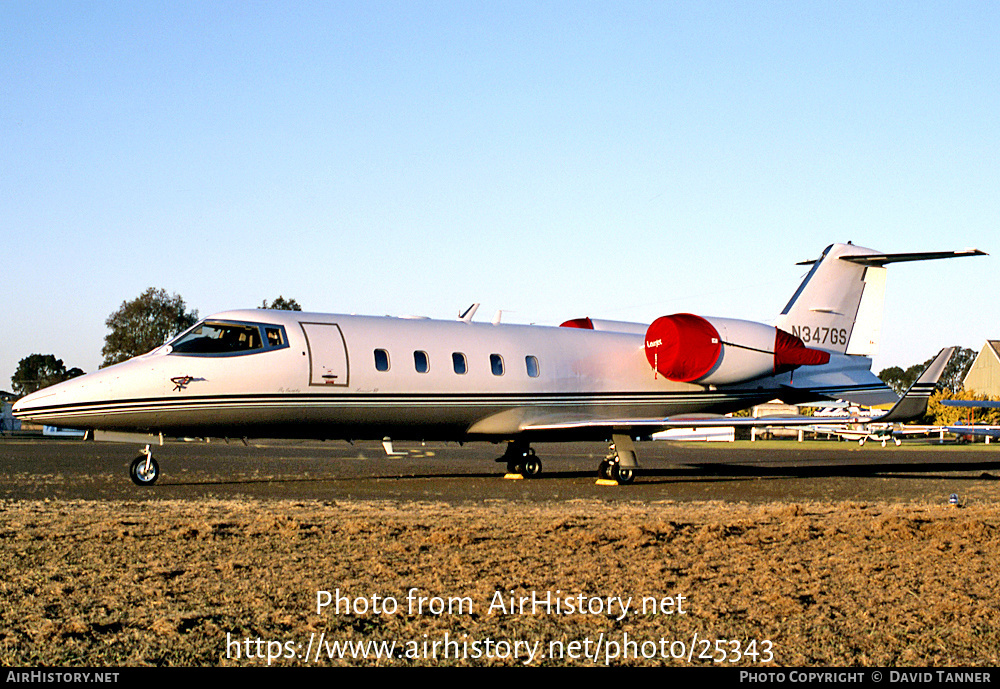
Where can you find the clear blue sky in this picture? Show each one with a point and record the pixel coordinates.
(622, 160)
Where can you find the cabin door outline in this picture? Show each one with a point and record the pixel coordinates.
(328, 362)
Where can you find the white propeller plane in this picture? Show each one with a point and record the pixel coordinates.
(883, 432)
(970, 429)
(288, 374)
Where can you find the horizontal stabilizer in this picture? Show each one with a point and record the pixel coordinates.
(885, 259)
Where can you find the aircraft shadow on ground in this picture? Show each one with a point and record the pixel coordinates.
(942, 470)
(687, 473)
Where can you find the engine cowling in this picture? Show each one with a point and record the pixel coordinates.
(687, 348)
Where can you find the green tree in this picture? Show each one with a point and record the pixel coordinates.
(953, 378)
(281, 304)
(144, 324)
(940, 415)
(40, 371)
(898, 379)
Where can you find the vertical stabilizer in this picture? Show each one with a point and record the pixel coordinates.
(824, 309)
(838, 307)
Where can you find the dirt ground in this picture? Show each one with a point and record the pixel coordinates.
(593, 582)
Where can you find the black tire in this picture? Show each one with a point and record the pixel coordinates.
(140, 475)
(604, 470)
(623, 475)
(532, 466)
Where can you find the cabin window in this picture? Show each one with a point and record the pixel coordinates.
(421, 362)
(531, 363)
(459, 363)
(496, 363)
(381, 360)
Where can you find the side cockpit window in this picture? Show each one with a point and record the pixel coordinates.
(275, 336)
(219, 338)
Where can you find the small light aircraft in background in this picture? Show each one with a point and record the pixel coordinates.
(877, 432)
(971, 430)
(859, 426)
(287, 374)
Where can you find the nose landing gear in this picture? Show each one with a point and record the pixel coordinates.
(144, 470)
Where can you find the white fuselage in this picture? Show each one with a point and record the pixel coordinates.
(441, 380)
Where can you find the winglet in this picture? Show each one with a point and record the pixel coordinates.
(913, 404)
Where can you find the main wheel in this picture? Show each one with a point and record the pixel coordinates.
(143, 474)
(604, 470)
(623, 475)
(532, 466)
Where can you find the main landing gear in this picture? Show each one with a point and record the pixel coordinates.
(612, 471)
(618, 468)
(521, 459)
(144, 470)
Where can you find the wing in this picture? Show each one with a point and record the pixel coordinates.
(912, 405)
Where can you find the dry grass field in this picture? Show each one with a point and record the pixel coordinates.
(236, 582)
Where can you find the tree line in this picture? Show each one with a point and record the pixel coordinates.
(138, 326)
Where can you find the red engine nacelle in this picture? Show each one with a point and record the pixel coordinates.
(688, 348)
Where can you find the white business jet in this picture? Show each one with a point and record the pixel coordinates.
(287, 374)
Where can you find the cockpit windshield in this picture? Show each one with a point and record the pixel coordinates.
(221, 338)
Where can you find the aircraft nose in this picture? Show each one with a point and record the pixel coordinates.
(30, 406)
(23, 404)
(26, 404)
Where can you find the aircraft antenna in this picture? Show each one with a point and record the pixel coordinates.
(466, 316)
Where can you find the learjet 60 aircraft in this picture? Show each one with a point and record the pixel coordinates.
(288, 374)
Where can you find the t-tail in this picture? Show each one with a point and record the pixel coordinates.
(838, 306)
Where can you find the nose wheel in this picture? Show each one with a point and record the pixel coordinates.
(144, 470)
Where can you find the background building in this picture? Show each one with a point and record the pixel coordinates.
(983, 377)
(7, 421)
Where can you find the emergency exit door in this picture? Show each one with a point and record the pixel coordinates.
(327, 354)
